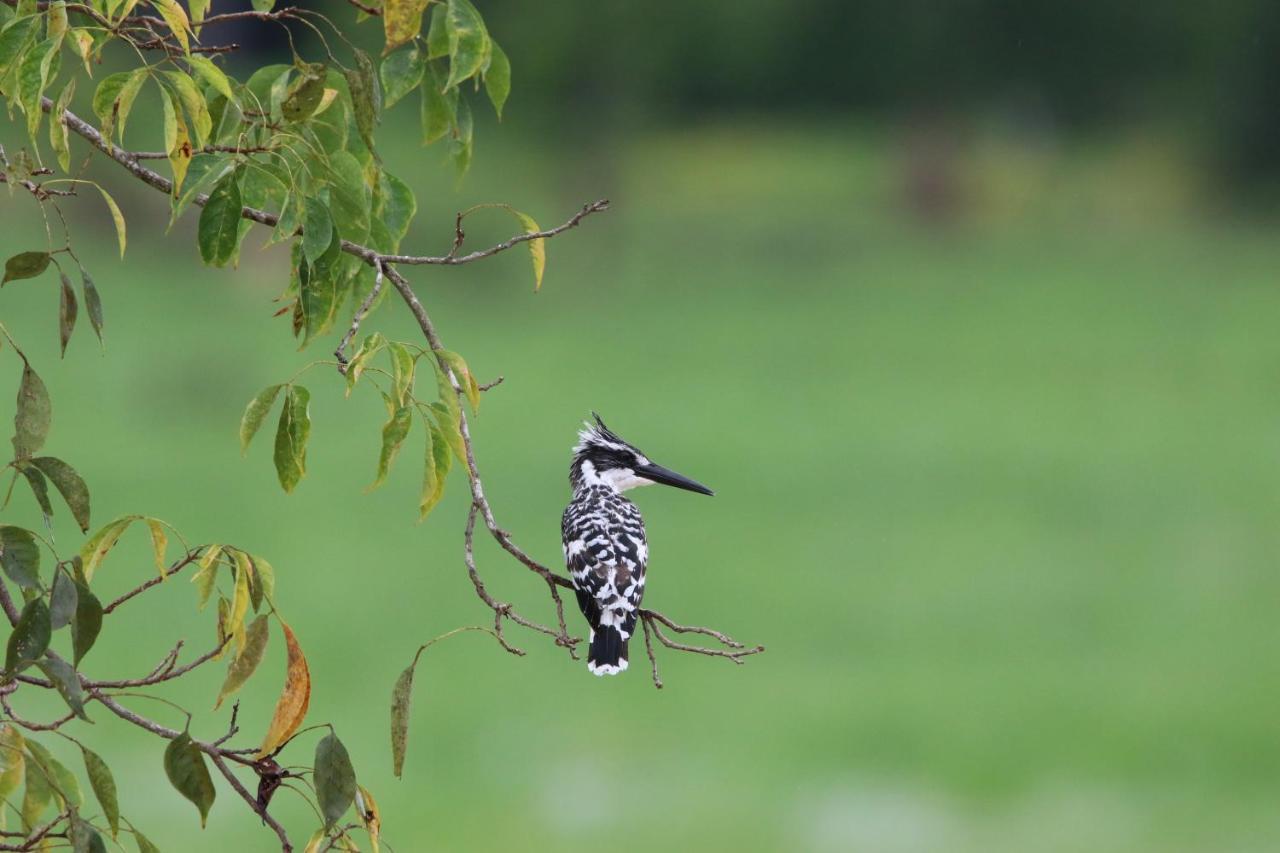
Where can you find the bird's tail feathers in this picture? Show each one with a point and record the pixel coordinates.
(608, 652)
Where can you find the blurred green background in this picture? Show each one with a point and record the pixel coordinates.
(968, 315)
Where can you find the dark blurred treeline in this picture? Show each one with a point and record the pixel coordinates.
(1209, 69)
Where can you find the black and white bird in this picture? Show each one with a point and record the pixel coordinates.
(604, 542)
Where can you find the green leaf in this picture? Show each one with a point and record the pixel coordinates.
(460, 143)
(213, 75)
(159, 543)
(58, 139)
(393, 435)
(305, 92)
(264, 5)
(401, 21)
(402, 370)
(30, 637)
(68, 309)
(66, 682)
(207, 575)
(438, 33)
(12, 760)
(84, 838)
(240, 601)
(104, 787)
(497, 80)
(39, 790)
(244, 664)
(144, 844)
(95, 550)
(33, 76)
(447, 418)
(398, 207)
(114, 97)
(366, 96)
(334, 778)
(439, 110)
(177, 140)
(401, 700)
(291, 437)
(317, 229)
(255, 413)
(468, 42)
(15, 37)
(92, 302)
(25, 265)
(193, 102)
(20, 556)
(87, 623)
(70, 485)
(62, 600)
(218, 233)
(60, 779)
(537, 248)
(33, 416)
(318, 288)
(203, 172)
(39, 488)
(401, 73)
(435, 469)
(348, 196)
(185, 767)
(116, 217)
(368, 349)
(463, 374)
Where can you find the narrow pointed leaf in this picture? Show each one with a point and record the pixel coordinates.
(12, 760)
(33, 416)
(497, 80)
(255, 413)
(366, 96)
(401, 700)
(66, 682)
(20, 556)
(70, 485)
(100, 544)
(245, 663)
(369, 347)
(240, 600)
(291, 437)
(218, 232)
(175, 17)
(207, 575)
(63, 782)
(393, 435)
(159, 543)
(117, 218)
(317, 229)
(87, 623)
(62, 601)
(92, 303)
(68, 309)
(25, 265)
(369, 815)
(30, 637)
(463, 374)
(39, 488)
(468, 42)
(213, 75)
(104, 788)
(291, 707)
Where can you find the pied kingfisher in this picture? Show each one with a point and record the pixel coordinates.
(604, 542)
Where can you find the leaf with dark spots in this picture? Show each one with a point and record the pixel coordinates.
(33, 416)
(70, 485)
(185, 767)
(29, 639)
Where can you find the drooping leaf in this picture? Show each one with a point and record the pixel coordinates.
(187, 772)
(401, 21)
(497, 80)
(266, 577)
(206, 575)
(65, 786)
(370, 816)
(401, 700)
(144, 844)
(15, 36)
(460, 140)
(92, 302)
(104, 787)
(38, 793)
(246, 662)
(291, 437)
(369, 347)
(398, 207)
(12, 760)
(438, 32)
(34, 413)
(439, 109)
(291, 707)
(450, 428)
(305, 92)
(25, 265)
(70, 485)
(213, 75)
(393, 435)
(317, 838)
(463, 374)
(62, 601)
(366, 96)
(117, 218)
(87, 623)
(348, 196)
(317, 229)
(401, 73)
(20, 556)
(30, 637)
(177, 140)
(193, 102)
(159, 543)
(175, 17)
(334, 778)
(58, 138)
(218, 232)
(100, 544)
(39, 488)
(402, 369)
(432, 475)
(68, 309)
(468, 42)
(84, 837)
(255, 413)
(240, 599)
(66, 682)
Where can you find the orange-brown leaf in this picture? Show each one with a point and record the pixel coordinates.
(291, 708)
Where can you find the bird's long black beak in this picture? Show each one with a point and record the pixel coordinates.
(670, 478)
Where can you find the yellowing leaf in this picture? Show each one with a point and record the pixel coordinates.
(291, 707)
(369, 815)
(240, 602)
(247, 661)
(117, 217)
(159, 542)
(96, 549)
(204, 578)
(176, 18)
(401, 21)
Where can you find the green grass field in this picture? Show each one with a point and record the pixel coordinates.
(1000, 499)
